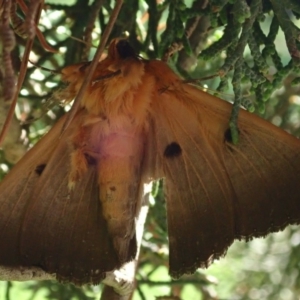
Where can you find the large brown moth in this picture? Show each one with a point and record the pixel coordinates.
(69, 206)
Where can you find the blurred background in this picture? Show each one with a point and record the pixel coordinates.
(249, 50)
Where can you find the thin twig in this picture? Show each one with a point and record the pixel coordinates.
(19, 86)
(8, 40)
(94, 64)
(90, 26)
(32, 17)
(38, 33)
(8, 288)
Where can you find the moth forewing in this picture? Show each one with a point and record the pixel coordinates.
(217, 191)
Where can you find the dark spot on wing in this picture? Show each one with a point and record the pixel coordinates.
(39, 169)
(113, 188)
(90, 160)
(172, 150)
(125, 50)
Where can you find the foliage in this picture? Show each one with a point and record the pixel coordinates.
(252, 48)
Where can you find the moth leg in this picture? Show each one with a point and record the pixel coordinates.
(78, 167)
(80, 156)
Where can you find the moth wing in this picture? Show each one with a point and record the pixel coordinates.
(16, 190)
(263, 168)
(216, 191)
(60, 230)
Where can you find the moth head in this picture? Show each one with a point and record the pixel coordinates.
(116, 80)
(125, 50)
(126, 68)
(120, 49)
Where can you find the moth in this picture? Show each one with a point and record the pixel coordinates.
(69, 206)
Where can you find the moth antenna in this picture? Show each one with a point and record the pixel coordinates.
(45, 69)
(93, 64)
(111, 75)
(80, 41)
(198, 82)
